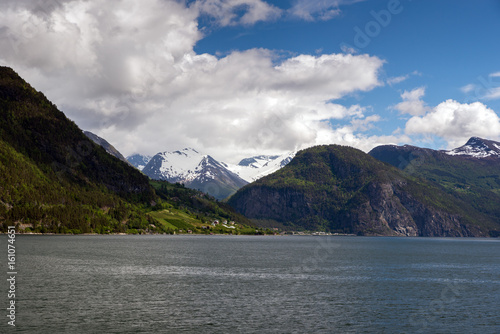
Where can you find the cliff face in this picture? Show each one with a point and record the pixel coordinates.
(341, 189)
(392, 210)
(470, 174)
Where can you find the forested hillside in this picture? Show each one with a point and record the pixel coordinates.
(55, 179)
(341, 189)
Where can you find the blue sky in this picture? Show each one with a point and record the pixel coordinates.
(440, 45)
(233, 78)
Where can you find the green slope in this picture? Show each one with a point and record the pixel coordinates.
(341, 189)
(55, 179)
(185, 209)
(474, 181)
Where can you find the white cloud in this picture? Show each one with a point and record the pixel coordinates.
(348, 49)
(364, 124)
(414, 94)
(468, 88)
(486, 88)
(412, 103)
(322, 10)
(245, 101)
(396, 80)
(347, 135)
(492, 94)
(127, 71)
(456, 122)
(227, 12)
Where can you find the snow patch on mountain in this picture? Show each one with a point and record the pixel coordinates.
(477, 148)
(194, 170)
(139, 161)
(199, 171)
(254, 168)
(185, 164)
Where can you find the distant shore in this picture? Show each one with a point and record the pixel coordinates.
(193, 234)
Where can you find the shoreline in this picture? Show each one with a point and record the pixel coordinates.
(255, 235)
(192, 234)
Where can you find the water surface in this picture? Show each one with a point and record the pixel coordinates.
(235, 284)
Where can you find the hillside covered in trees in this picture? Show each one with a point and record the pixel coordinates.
(55, 179)
(342, 189)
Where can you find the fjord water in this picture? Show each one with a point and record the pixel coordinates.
(236, 284)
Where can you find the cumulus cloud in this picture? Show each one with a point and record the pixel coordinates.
(245, 101)
(456, 122)
(128, 71)
(347, 135)
(412, 102)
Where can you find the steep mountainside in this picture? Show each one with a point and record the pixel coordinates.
(342, 189)
(195, 171)
(54, 179)
(52, 174)
(107, 146)
(470, 173)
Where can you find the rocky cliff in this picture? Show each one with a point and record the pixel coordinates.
(341, 189)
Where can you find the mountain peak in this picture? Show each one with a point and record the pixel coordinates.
(194, 170)
(472, 140)
(187, 151)
(477, 148)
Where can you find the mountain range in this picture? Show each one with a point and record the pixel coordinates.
(470, 173)
(220, 179)
(53, 178)
(393, 190)
(203, 172)
(194, 170)
(465, 178)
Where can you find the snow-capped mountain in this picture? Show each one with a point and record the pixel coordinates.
(139, 161)
(194, 170)
(477, 148)
(254, 168)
